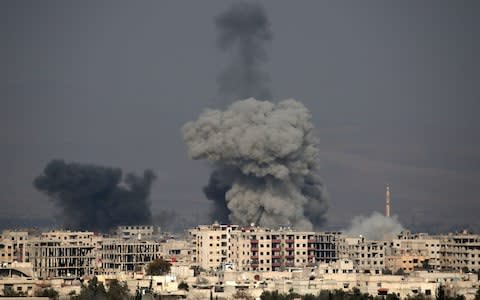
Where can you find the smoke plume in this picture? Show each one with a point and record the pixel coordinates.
(95, 197)
(265, 157)
(375, 227)
(243, 31)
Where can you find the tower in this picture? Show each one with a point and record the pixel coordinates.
(387, 202)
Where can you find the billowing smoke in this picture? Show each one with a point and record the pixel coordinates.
(265, 157)
(243, 31)
(95, 197)
(375, 227)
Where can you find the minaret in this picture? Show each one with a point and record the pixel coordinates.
(387, 202)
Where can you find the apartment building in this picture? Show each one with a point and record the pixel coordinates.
(119, 255)
(260, 249)
(460, 252)
(413, 251)
(367, 256)
(211, 245)
(136, 231)
(13, 246)
(177, 251)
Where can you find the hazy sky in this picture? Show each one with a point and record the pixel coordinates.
(394, 89)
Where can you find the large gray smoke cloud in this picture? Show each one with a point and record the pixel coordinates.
(244, 30)
(265, 158)
(375, 227)
(95, 197)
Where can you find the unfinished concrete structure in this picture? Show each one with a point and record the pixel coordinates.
(63, 254)
(119, 255)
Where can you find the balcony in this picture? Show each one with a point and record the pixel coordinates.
(276, 264)
(291, 241)
(290, 256)
(254, 241)
(276, 256)
(276, 241)
(277, 248)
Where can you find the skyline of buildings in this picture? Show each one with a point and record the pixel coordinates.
(233, 256)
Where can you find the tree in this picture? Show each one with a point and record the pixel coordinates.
(117, 290)
(50, 293)
(418, 296)
(183, 286)
(387, 272)
(241, 294)
(400, 272)
(93, 291)
(392, 296)
(477, 295)
(8, 291)
(158, 267)
(426, 265)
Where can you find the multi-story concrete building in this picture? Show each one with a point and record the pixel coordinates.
(177, 251)
(261, 249)
(136, 231)
(64, 254)
(367, 256)
(119, 255)
(460, 252)
(13, 246)
(211, 244)
(413, 251)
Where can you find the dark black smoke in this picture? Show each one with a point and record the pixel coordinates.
(219, 184)
(95, 197)
(244, 30)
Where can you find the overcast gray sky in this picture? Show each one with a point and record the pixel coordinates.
(393, 88)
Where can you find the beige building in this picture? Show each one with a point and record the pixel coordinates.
(64, 254)
(413, 252)
(136, 231)
(460, 252)
(367, 256)
(13, 246)
(260, 249)
(211, 245)
(119, 255)
(177, 251)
